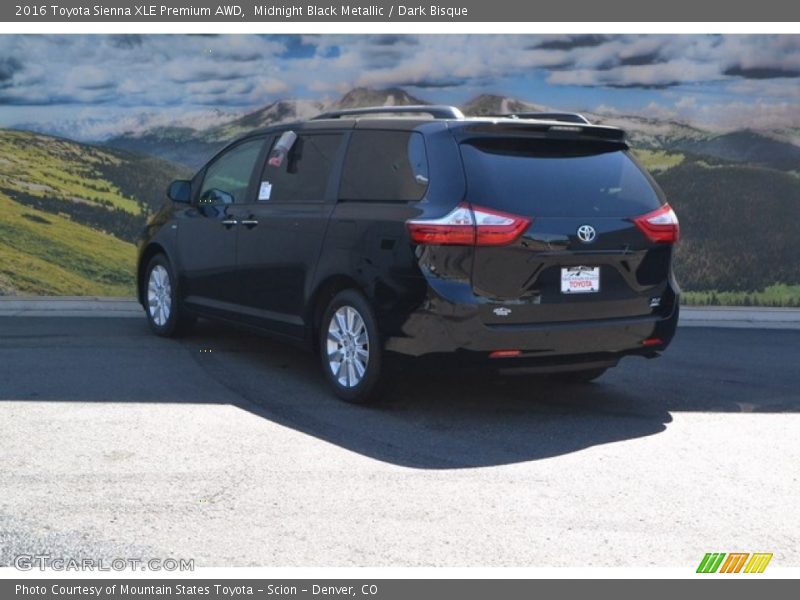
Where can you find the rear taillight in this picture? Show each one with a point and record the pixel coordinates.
(661, 225)
(469, 225)
(505, 353)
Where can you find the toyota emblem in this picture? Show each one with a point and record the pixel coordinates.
(586, 234)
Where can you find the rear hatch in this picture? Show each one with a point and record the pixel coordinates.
(582, 257)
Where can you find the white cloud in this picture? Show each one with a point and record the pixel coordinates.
(165, 73)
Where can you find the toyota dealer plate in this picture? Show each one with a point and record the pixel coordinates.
(580, 280)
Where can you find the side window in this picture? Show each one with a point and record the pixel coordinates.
(227, 178)
(385, 166)
(303, 175)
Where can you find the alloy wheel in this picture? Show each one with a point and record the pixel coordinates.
(159, 295)
(347, 346)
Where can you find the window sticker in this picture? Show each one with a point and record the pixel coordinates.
(265, 191)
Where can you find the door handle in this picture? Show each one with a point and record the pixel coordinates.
(230, 223)
(249, 223)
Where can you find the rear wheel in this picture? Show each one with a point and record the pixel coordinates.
(349, 347)
(164, 313)
(584, 376)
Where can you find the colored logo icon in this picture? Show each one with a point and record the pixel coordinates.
(734, 562)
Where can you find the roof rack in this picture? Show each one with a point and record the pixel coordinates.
(549, 116)
(436, 111)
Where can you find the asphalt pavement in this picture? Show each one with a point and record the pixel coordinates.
(227, 448)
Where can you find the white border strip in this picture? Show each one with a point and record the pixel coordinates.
(376, 573)
(397, 27)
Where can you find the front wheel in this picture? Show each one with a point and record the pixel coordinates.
(164, 313)
(350, 349)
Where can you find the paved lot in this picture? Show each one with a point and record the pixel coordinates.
(226, 447)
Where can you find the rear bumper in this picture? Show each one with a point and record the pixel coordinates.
(445, 327)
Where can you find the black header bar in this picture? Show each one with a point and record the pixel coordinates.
(456, 11)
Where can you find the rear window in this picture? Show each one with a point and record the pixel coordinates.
(555, 178)
(385, 166)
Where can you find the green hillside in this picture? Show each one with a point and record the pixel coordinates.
(739, 225)
(69, 214)
(749, 147)
(52, 255)
(656, 161)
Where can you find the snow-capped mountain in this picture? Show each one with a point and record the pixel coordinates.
(191, 142)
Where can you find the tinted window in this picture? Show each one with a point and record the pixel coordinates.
(385, 166)
(227, 178)
(552, 178)
(303, 175)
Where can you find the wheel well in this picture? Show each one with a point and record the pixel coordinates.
(146, 257)
(324, 294)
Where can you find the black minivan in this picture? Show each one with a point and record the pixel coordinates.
(530, 240)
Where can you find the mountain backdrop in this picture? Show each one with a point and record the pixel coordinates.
(69, 214)
(69, 211)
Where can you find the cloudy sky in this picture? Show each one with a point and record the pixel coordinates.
(95, 86)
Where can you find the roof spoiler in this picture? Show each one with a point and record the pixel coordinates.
(547, 129)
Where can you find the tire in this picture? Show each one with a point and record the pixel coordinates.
(165, 315)
(584, 376)
(350, 349)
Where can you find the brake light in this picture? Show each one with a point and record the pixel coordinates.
(505, 353)
(467, 226)
(660, 226)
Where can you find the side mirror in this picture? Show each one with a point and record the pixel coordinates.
(180, 191)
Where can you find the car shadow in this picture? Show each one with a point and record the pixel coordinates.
(429, 418)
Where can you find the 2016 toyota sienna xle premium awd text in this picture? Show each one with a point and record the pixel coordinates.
(528, 240)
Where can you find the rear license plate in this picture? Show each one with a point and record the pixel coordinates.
(580, 280)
